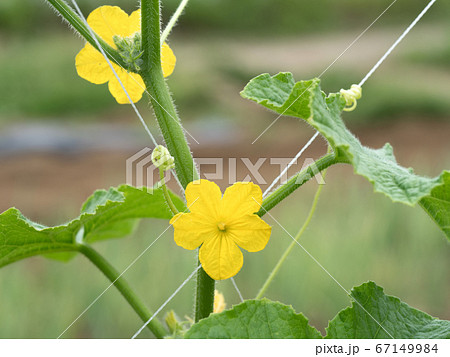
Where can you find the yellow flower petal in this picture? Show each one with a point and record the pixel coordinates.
(191, 230)
(250, 232)
(107, 21)
(168, 60)
(134, 22)
(222, 224)
(91, 65)
(132, 82)
(203, 197)
(241, 199)
(220, 257)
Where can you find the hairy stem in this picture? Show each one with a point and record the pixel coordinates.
(79, 25)
(173, 20)
(204, 297)
(296, 181)
(122, 285)
(282, 259)
(166, 115)
(171, 128)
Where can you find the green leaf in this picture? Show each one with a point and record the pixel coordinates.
(397, 318)
(254, 319)
(106, 214)
(113, 213)
(306, 101)
(21, 238)
(437, 204)
(267, 319)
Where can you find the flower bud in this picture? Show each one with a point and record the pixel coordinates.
(162, 159)
(173, 323)
(129, 49)
(219, 302)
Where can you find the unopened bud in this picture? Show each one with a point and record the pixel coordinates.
(162, 159)
(219, 302)
(172, 321)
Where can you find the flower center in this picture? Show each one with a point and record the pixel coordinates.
(221, 226)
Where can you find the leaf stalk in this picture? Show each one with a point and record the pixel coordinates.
(296, 181)
(124, 288)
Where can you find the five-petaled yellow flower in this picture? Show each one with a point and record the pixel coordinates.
(221, 224)
(112, 24)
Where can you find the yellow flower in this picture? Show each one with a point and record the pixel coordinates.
(112, 23)
(221, 224)
(219, 302)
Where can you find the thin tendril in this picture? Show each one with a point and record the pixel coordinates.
(173, 20)
(282, 259)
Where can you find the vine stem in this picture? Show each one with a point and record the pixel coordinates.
(166, 193)
(171, 129)
(282, 259)
(298, 180)
(204, 297)
(122, 285)
(163, 106)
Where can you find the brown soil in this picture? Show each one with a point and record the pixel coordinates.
(52, 187)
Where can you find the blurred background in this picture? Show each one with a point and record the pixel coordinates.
(62, 137)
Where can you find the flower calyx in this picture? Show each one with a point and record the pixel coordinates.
(130, 50)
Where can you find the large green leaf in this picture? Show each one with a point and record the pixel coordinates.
(255, 319)
(268, 319)
(106, 214)
(396, 318)
(306, 101)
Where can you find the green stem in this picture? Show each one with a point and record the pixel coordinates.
(291, 246)
(171, 128)
(166, 193)
(122, 285)
(166, 115)
(78, 24)
(296, 181)
(204, 297)
(173, 20)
